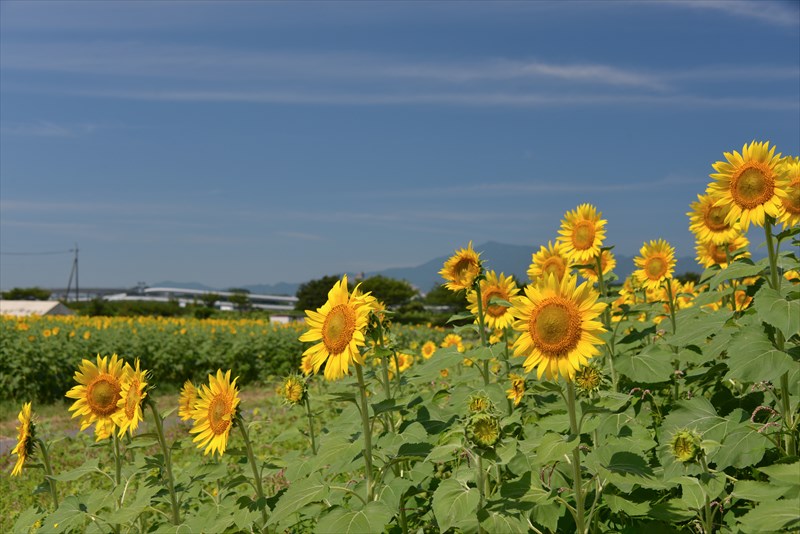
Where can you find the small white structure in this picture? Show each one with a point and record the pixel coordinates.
(23, 308)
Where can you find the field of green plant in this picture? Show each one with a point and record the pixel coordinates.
(578, 403)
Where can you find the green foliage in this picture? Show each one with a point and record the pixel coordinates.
(390, 291)
(27, 293)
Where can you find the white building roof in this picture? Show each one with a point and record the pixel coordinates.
(33, 307)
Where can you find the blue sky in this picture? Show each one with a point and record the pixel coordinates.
(257, 142)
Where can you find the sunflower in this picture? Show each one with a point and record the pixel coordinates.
(790, 170)
(749, 184)
(517, 388)
(709, 253)
(25, 438)
(461, 270)
(293, 389)
(582, 233)
(187, 401)
(502, 287)
(707, 221)
(550, 259)
(741, 300)
(685, 445)
(428, 349)
(338, 328)
(214, 412)
(404, 362)
(589, 378)
(129, 412)
(607, 263)
(558, 330)
(483, 430)
(656, 263)
(97, 394)
(306, 365)
(453, 340)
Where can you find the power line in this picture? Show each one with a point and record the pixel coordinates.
(70, 251)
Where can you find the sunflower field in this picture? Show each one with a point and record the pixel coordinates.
(577, 403)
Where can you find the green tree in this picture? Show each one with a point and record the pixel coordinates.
(390, 291)
(441, 296)
(240, 298)
(209, 299)
(314, 293)
(27, 293)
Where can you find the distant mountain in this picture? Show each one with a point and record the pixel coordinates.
(281, 288)
(508, 259)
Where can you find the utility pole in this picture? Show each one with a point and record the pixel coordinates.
(73, 272)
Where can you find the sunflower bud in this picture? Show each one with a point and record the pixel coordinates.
(685, 446)
(588, 378)
(294, 389)
(484, 430)
(479, 403)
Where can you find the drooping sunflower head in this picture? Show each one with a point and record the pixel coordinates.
(685, 446)
(187, 401)
(582, 233)
(710, 253)
(708, 222)
(294, 389)
(97, 394)
(133, 392)
(558, 327)
(337, 329)
(607, 264)
(748, 184)
(517, 390)
(656, 262)
(502, 287)
(483, 430)
(551, 259)
(790, 184)
(461, 269)
(26, 438)
(214, 412)
(428, 349)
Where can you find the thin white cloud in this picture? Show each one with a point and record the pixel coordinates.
(43, 128)
(771, 12)
(300, 235)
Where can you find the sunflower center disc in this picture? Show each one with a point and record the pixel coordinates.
(463, 269)
(583, 235)
(792, 201)
(555, 326)
(103, 395)
(752, 186)
(655, 268)
(555, 266)
(714, 218)
(495, 310)
(718, 253)
(337, 332)
(217, 411)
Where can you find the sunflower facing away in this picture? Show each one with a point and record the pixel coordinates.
(790, 169)
(25, 439)
(607, 263)
(655, 263)
(749, 184)
(461, 269)
(502, 287)
(582, 233)
(338, 327)
(214, 412)
(550, 259)
(710, 253)
(558, 330)
(129, 413)
(707, 221)
(187, 401)
(97, 394)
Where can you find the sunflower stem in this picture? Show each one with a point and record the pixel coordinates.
(482, 331)
(48, 471)
(256, 473)
(708, 519)
(311, 425)
(367, 430)
(775, 283)
(481, 483)
(162, 440)
(576, 460)
(606, 320)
